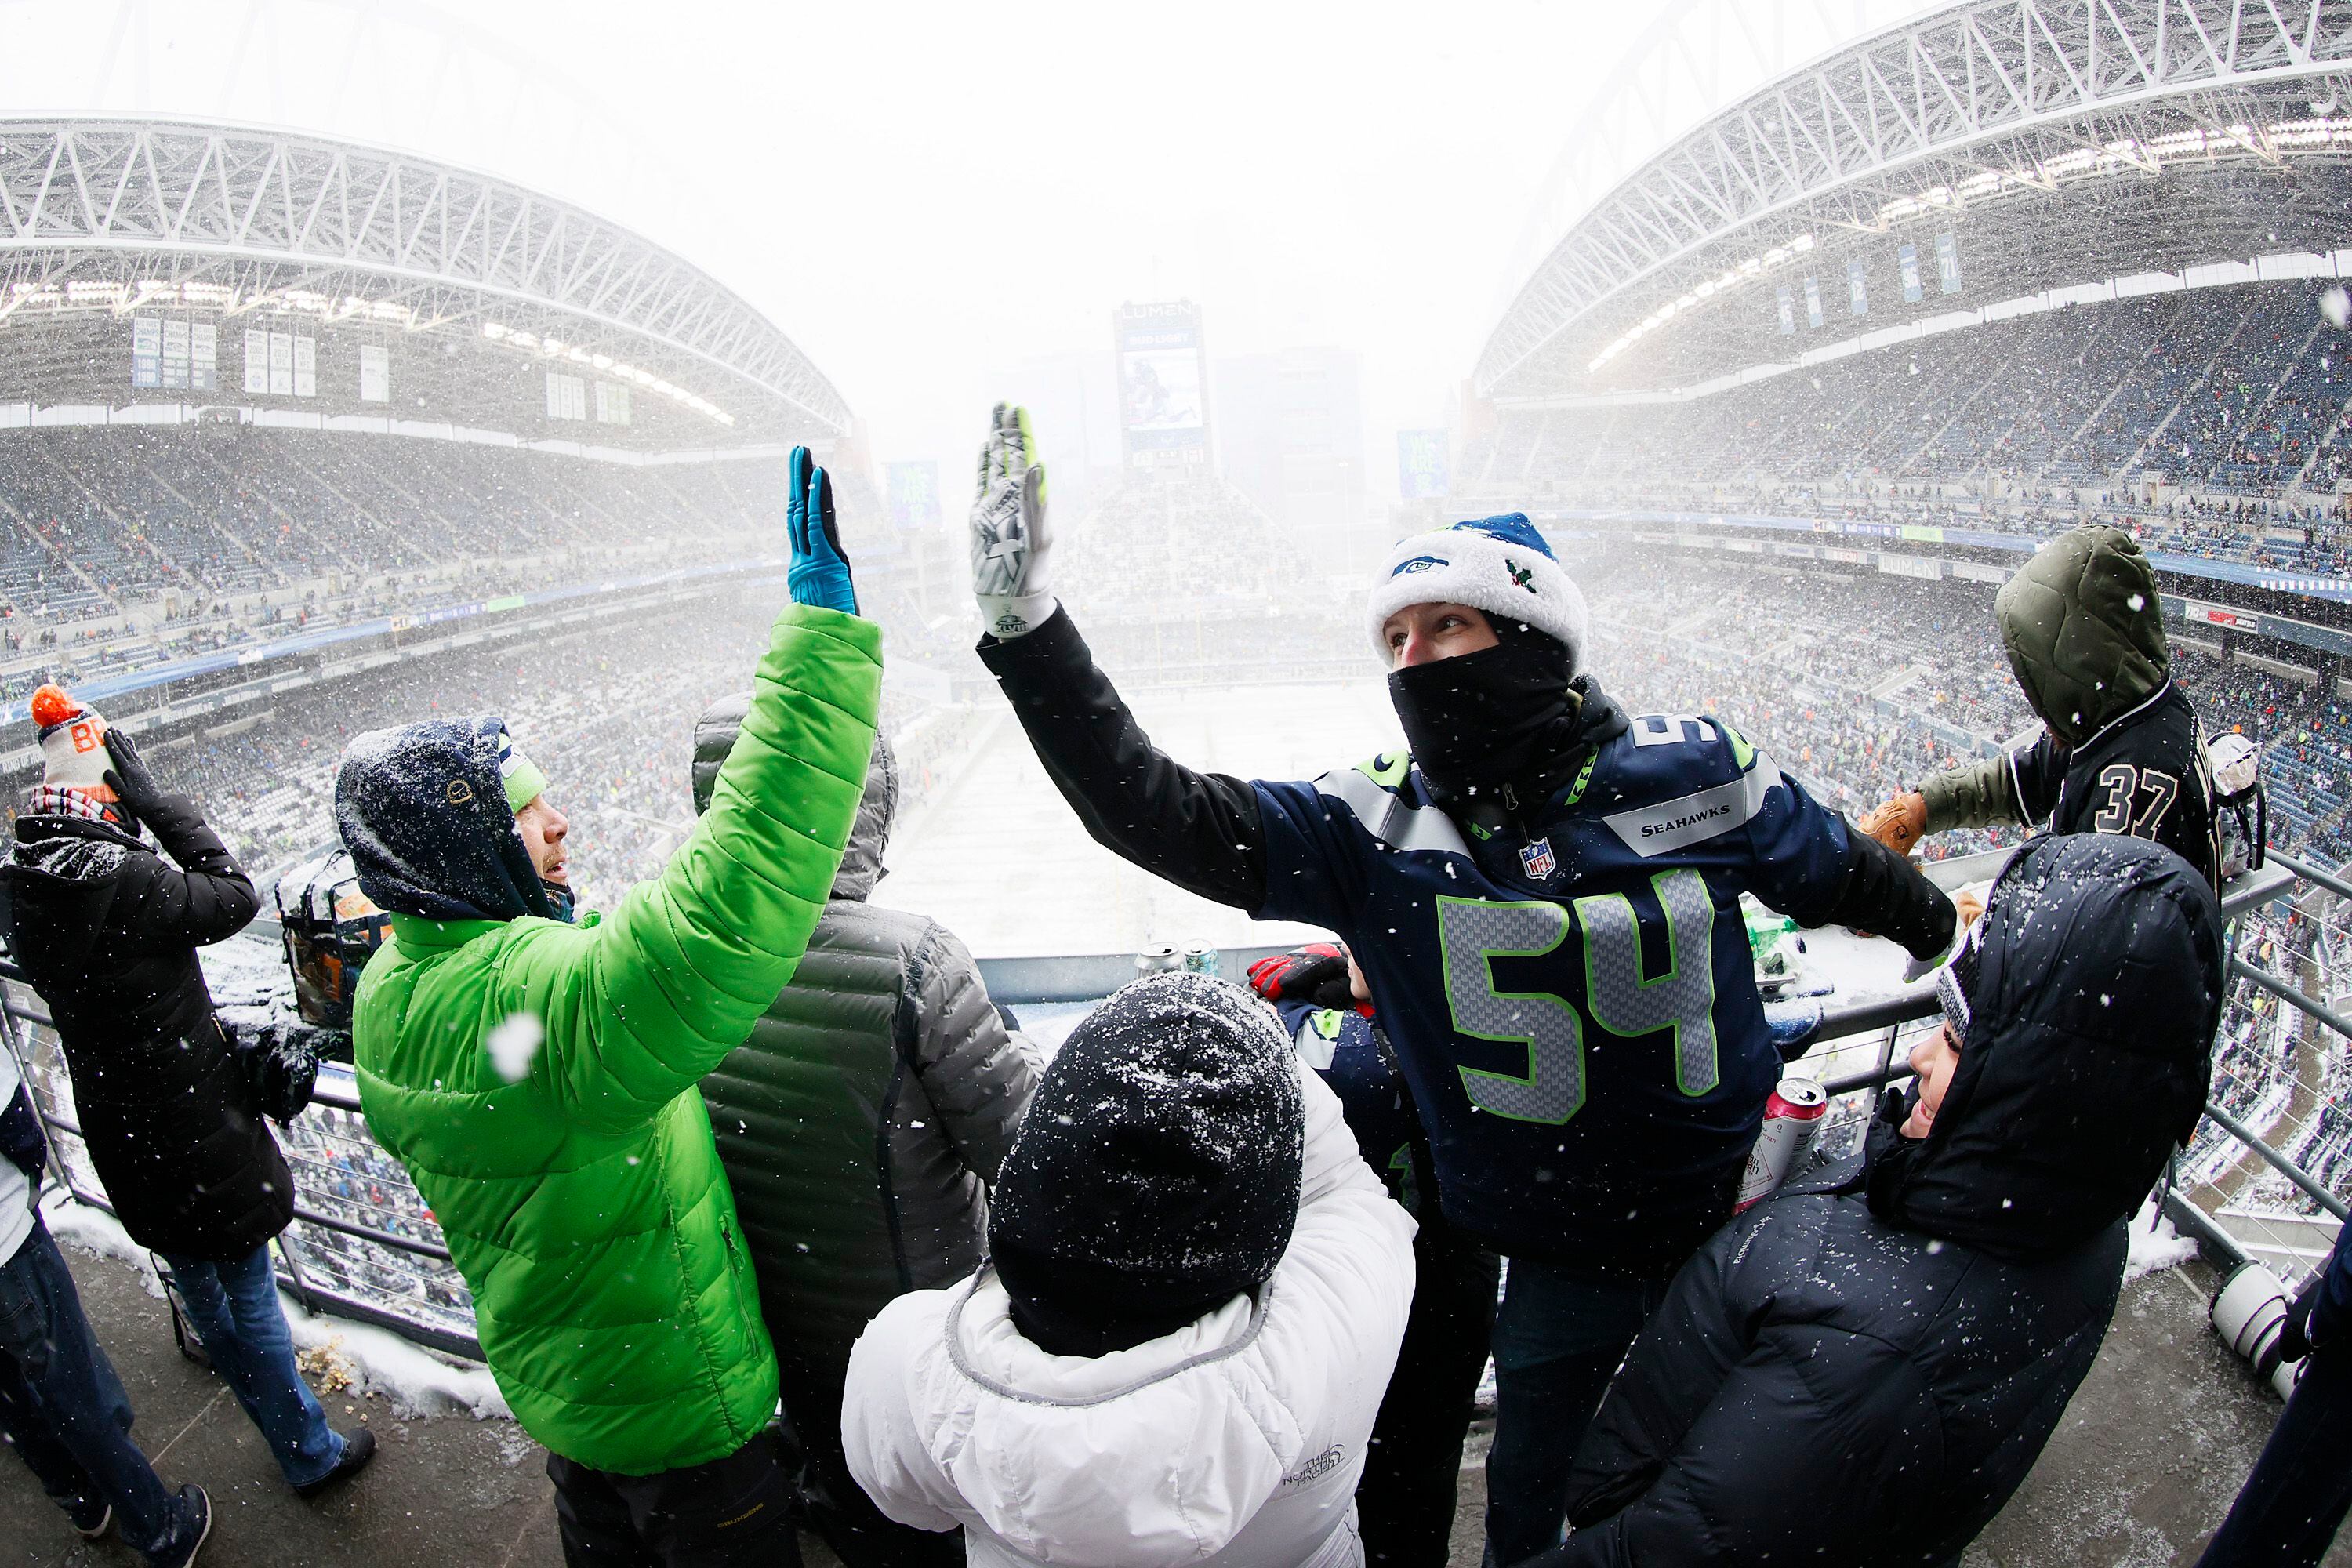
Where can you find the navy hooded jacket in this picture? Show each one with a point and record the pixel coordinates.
(424, 811)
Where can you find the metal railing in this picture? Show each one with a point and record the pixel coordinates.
(364, 1246)
(2233, 1152)
(401, 1279)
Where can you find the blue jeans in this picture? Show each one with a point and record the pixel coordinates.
(2290, 1508)
(1559, 1338)
(64, 1410)
(235, 1313)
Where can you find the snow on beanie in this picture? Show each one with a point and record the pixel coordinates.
(74, 758)
(1498, 564)
(1157, 1173)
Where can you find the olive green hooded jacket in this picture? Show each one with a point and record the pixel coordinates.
(2083, 630)
(537, 1079)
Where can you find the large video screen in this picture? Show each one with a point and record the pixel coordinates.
(1159, 390)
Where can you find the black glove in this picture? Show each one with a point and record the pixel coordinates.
(2295, 1334)
(169, 815)
(132, 784)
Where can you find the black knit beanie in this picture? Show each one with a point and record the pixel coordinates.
(1157, 1173)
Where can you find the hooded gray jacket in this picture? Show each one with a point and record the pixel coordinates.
(862, 1122)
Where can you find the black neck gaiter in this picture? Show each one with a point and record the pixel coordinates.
(1500, 720)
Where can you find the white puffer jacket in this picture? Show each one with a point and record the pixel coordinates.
(1235, 1441)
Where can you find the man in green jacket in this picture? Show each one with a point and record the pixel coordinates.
(2121, 751)
(537, 1076)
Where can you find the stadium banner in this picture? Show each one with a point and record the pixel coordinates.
(2216, 616)
(1922, 532)
(256, 361)
(1812, 301)
(203, 356)
(1907, 258)
(1918, 566)
(375, 374)
(1977, 571)
(306, 367)
(281, 364)
(1162, 382)
(1857, 291)
(175, 353)
(1788, 312)
(914, 490)
(1948, 262)
(1422, 464)
(146, 350)
(612, 403)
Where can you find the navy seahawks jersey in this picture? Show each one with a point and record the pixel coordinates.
(1575, 1011)
(1338, 1043)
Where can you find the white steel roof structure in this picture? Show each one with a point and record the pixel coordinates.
(2179, 131)
(111, 214)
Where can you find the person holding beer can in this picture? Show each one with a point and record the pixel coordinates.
(1862, 1367)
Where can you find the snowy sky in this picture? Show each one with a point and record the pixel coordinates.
(924, 196)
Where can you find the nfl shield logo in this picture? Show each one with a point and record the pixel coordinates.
(1537, 858)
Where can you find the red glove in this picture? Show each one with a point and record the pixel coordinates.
(1316, 973)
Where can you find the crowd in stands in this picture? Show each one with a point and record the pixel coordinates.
(2210, 422)
(120, 548)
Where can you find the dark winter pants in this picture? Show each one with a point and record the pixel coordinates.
(64, 1410)
(235, 1313)
(1405, 1504)
(2288, 1511)
(1559, 1338)
(734, 1512)
(860, 1535)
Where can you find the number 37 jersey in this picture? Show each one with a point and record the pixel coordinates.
(2143, 774)
(1575, 1010)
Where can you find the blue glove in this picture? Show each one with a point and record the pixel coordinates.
(820, 572)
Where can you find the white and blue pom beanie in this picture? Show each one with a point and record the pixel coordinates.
(1497, 564)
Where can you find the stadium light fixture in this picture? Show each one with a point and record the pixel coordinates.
(2131, 155)
(573, 354)
(1706, 289)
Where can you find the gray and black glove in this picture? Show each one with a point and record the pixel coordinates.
(1009, 542)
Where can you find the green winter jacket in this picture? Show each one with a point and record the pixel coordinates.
(584, 1201)
(2084, 629)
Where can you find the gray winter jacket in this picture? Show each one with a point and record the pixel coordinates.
(861, 1123)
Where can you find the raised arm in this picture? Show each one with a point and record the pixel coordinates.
(209, 898)
(639, 1007)
(1199, 831)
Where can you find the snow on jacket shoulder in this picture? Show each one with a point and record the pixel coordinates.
(1238, 1439)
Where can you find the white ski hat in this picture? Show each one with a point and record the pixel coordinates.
(1497, 564)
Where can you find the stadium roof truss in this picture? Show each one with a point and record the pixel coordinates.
(1916, 126)
(252, 220)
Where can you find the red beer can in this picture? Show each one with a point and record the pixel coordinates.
(1792, 1120)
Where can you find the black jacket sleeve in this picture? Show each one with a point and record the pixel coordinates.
(1885, 894)
(208, 899)
(1199, 831)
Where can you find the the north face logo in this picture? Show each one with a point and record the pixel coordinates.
(1322, 1464)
